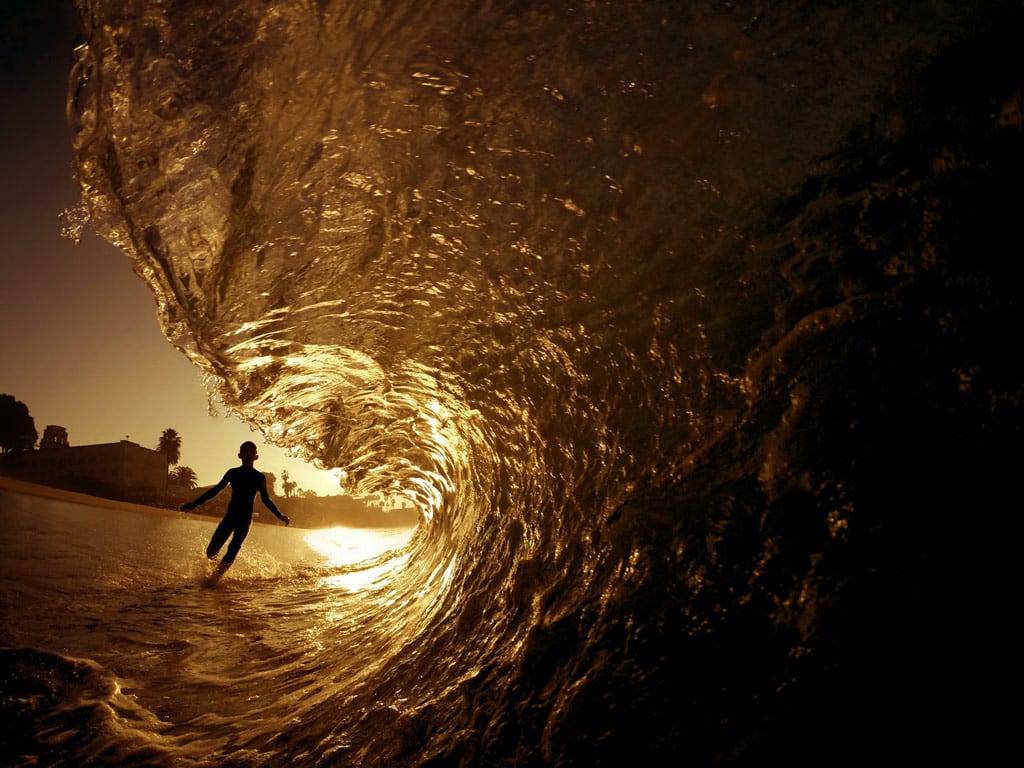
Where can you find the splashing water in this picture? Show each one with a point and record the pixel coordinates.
(626, 298)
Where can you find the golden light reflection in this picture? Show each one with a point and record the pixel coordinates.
(360, 554)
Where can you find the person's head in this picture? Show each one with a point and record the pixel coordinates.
(247, 452)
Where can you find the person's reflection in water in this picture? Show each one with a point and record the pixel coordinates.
(245, 481)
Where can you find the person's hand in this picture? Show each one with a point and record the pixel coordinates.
(186, 507)
(286, 520)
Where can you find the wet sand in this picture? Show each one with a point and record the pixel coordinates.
(59, 494)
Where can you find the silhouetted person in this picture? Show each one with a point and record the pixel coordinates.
(245, 481)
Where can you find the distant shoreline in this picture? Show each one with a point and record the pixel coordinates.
(59, 494)
(74, 497)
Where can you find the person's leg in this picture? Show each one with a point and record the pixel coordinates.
(219, 537)
(241, 531)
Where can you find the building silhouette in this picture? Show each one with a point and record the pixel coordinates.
(123, 470)
(53, 437)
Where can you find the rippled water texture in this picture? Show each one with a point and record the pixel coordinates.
(675, 320)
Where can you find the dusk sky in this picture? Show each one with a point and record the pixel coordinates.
(79, 340)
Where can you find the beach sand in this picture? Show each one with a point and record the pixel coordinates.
(59, 494)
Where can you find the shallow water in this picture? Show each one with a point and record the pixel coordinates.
(114, 614)
(674, 320)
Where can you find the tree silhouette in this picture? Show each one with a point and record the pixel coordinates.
(170, 445)
(183, 476)
(287, 484)
(17, 428)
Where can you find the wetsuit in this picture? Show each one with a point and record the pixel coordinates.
(245, 483)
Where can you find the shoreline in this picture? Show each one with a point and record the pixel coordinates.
(59, 494)
(26, 488)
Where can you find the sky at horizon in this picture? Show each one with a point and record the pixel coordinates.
(80, 343)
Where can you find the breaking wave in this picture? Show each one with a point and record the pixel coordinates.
(655, 311)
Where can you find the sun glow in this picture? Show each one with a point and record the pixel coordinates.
(362, 557)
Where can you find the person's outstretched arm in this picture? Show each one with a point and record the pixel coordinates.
(269, 503)
(205, 497)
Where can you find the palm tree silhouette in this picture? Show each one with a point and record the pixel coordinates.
(184, 476)
(170, 445)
